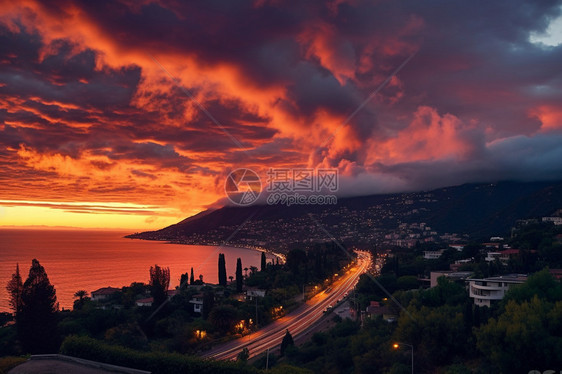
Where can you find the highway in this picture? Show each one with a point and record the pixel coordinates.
(298, 321)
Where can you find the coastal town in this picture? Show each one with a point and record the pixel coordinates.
(257, 315)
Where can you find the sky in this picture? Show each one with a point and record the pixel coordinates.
(131, 114)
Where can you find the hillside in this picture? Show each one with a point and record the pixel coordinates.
(453, 214)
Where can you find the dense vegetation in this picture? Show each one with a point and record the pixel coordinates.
(447, 332)
(118, 331)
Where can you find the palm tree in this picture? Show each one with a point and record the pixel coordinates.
(231, 278)
(245, 272)
(81, 295)
(253, 269)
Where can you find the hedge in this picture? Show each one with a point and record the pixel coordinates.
(156, 362)
(10, 362)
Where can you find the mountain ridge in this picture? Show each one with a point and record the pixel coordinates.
(456, 213)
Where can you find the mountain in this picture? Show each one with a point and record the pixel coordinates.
(459, 213)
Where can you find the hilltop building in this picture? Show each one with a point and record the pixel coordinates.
(486, 290)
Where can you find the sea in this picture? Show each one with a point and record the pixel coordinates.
(90, 259)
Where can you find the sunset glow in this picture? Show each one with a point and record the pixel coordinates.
(131, 114)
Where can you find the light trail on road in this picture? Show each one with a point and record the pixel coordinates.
(298, 321)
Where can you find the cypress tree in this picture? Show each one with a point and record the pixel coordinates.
(15, 289)
(222, 270)
(239, 278)
(263, 262)
(287, 341)
(192, 279)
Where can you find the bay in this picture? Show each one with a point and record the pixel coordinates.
(90, 259)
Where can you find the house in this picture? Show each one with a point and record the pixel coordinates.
(433, 255)
(149, 300)
(457, 264)
(504, 256)
(458, 247)
(374, 309)
(486, 290)
(104, 293)
(145, 302)
(197, 301)
(454, 276)
(556, 273)
(492, 256)
(252, 293)
(556, 220)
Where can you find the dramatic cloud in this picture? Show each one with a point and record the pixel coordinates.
(152, 103)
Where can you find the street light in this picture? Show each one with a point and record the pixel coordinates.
(397, 345)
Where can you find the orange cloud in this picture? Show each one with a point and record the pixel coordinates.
(429, 136)
(550, 117)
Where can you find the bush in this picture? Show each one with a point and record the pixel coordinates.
(9, 362)
(9, 345)
(156, 362)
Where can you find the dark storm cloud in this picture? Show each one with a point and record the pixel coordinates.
(475, 96)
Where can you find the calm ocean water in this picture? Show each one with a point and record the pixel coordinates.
(87, 260)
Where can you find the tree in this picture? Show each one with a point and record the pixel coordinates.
(244, 355)
(263, 262)
(159, 282)
(15, 288)
(239, 278)
(82, 295)
(222, 270)
(36, 322)
(223, 318)
(296, 258)
(184, 280)
(287, 341)
(192, 278)
(524, 337)
(208, 303)
(253, 270)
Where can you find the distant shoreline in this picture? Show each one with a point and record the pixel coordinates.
(280, 256)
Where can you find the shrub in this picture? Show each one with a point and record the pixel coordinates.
(9, 362)
(156, 362)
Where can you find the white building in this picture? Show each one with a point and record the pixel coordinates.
(503, 256)
(145, 302)
(556, 220)
(197, 301)
(433, 255)
(484, 291)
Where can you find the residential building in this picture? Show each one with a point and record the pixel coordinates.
(433, 255)
(197, 301)
(374, 309)
(454, 276)
(556, 273)
(145, 302)
(251, 293)
(556, 220)
(103, 293)
(486, 290)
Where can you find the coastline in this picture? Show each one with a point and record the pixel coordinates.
(282, 258)
(68, 255)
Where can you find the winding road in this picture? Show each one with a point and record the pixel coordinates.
(298, 321)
